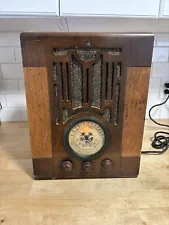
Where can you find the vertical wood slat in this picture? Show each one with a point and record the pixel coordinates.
(64, 81)
(90, 86)
(60, 92)
(36, 85)
(69, 80)
(69, 83)
(61, 84)
(109, 84)
(55, 93)
(84, 84)
(55, 102)
(134, 110)
(107, 77)
(65, 87)
(103, 82)
(112, 82)
(113, 114)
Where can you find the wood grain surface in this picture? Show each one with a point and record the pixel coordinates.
(138, 46)
(24, 201)
(134, 110)
(36, 84)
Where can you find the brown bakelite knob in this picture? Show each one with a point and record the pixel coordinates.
(107, 164)
(87, 166)
(67, 166)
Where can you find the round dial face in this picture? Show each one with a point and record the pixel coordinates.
(86, 138)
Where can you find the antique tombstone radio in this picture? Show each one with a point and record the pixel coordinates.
(86, 98)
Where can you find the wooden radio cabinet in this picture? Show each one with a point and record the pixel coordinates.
(86, 98)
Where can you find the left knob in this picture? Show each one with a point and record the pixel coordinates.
(67, 166)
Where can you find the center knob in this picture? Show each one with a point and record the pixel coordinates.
(87, 166)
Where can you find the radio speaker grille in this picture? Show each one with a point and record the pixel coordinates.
(87, 79)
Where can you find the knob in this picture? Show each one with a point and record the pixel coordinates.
(67, 166)
(87, 166)
(107, 164)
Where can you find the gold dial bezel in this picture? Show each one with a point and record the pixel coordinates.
(69, 128)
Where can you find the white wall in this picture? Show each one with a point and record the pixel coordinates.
(12, 94)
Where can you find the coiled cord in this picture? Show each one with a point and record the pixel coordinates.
(161, 138)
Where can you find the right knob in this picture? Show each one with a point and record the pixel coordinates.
(107, 164)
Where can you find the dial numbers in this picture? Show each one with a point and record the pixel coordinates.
(86, 138)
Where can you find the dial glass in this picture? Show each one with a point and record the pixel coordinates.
(86, 138)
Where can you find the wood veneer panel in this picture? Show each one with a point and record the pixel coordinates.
(130, 166)
(43, 168)
(136, 46)
(36, 84)
(137, 83)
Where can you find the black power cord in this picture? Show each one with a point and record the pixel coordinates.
(161, 138)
